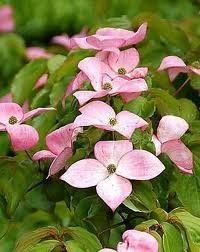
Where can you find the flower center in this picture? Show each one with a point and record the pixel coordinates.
(196, 64)
(107, 86)
(111, 168)
(12, 120)
(113, 121)
(122, 71)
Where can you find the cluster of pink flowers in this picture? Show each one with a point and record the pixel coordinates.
(112, 71)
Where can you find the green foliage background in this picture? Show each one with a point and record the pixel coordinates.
(52, 216)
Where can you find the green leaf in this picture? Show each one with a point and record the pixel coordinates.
(30, 239)
(195, 81)
(43, 124)
(143, 198)
(25, 80)
(143, 140)
(188, 110)
(46, 246)
(172, 240)
(160, 215)
(91, 214)
(141, 106)
(74, 246)
(12, 51)
(55, 62)
(189, 198)
(15, 179)
(88, 240)
(195, 126)
(166, 104)
(191, 225)
(146, 225)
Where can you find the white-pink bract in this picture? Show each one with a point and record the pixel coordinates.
(101, 115)
(170, 130)
(37, 52)
(60, 147)
(7, 23)
(12, 117)
(68, 42)
(112, 38)
(135, 241)
(116, 162)
(41, 81)
(175, 65)
(105, 81)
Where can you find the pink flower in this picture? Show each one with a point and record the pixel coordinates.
(101, 115)
(60, 144)
(169, 131)
(135, 241)
(175, 65)
(112, 37)
(12, 117)
(67, 42)
(7, 23)
(115, 163)
(37, 52)
(98, 74)
(124, 62)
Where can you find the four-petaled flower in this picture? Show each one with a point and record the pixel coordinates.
(12, 117)
(101, 115)
(116, 162)
(135, 241)
(175, 65)
(112, 38)
(60, 144)
(123, 63)
(169, 131)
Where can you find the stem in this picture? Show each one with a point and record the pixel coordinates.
(182, 86)
(36, 185)
(28, 155)
(113, 226)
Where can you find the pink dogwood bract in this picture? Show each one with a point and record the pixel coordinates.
(112, 38)
(68, 42)
(60, 144)
(33, 53)
(169, 131)
(101, 115)
(41, 81)
(12, 117)
(175, 65)
(135, 241)
(7, 23)
(116, 162)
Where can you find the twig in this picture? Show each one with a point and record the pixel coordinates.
(36, 185)
(182, 86)
(28, 155)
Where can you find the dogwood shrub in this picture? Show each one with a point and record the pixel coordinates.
(110, 161)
